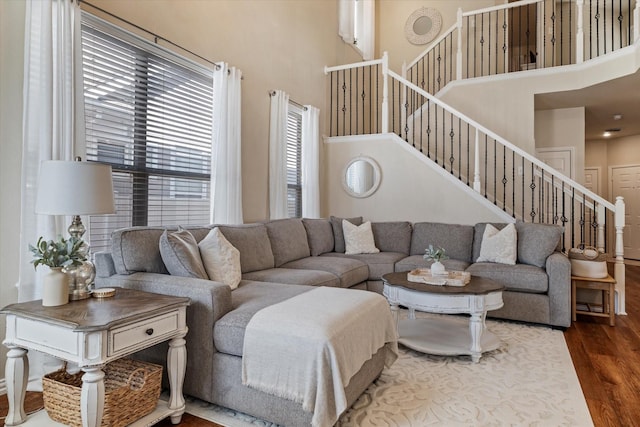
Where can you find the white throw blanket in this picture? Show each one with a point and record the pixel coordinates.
(307, 348)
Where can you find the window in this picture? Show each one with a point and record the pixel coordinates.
(148, 114)
(294, 161)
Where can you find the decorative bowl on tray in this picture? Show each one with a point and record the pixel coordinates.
(452, 278)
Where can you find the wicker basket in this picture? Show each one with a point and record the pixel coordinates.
(131, 391)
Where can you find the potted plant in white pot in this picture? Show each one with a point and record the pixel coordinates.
(436, 255)
(57, 254)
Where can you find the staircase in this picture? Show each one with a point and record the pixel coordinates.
(368, 98)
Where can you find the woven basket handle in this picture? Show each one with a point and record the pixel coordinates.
(592, 250)
(145, 375)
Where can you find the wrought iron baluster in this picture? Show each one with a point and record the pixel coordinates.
(379, 110)
(482, 44)
(522, 190)
(350, 101)
(542, 201)
(452, 134)
(468, 152)
(533, 193)
(460, 149)
(486, 149)
(513, 183)
(344, 102)
(573, 216)
(331, 104)
(356, 102)
(504, 178)
(583, 217)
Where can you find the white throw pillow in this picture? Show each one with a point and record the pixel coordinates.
(220, 258)
(358, 239)
(499, 246)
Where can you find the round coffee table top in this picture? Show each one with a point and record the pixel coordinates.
(476, 286)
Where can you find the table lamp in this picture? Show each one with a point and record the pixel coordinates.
(75, 188)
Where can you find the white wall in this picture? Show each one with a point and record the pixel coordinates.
(11, 42)
(408, 191)
(563, 127)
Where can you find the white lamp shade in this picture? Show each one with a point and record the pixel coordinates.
(74, 188)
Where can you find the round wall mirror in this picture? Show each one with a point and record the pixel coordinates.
(423, 25)
(361, 177)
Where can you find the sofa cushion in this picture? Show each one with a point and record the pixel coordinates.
(319, 235)
(137, 249)
(248, 299)
(288, 240)
(338, 234)
(379, 264)
(253, 243)
(499, 246)
(455, 239)
(417, 261)
(536, 242)
(220, 259)
(293, 276)
(358, 239)
(519, 277)
(350, 271)
(393, 236)
(180, 254)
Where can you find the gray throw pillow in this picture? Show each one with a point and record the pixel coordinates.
(320, 235)
(180, 254)
(536, 242)
(338, 234)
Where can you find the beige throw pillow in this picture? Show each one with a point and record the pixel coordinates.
(220, 258)
(500, 246)
(358, 239)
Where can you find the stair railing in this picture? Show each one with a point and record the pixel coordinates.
(511, 179)
(524, 35)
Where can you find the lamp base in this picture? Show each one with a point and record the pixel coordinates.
(80, 280)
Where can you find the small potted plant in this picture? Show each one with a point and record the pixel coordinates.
(57, 254)
(436, 255)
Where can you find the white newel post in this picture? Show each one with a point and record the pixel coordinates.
(476, 164)
(579, 33)
(619, 268)
(385, 92)
(459, 50)
(602, 219)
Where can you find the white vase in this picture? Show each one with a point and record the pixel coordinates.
(55, 288)
(437, 269)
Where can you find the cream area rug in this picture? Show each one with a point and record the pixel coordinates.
(528, 381)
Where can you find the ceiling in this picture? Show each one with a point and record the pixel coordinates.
(602, 102)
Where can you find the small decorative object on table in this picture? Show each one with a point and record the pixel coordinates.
(587, 261)
(103, 292)
(57, 254)
(436, 254)
(450, 278)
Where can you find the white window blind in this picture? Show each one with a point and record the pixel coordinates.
(294, 158)
(148, 115)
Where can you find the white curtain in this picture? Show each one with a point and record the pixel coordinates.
(310, 162)
(226, 159)
(346, 20)
(356, 25)
(53, 117)
(278, 155)
(366, 30)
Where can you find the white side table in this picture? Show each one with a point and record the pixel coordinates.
(92, 333)
(446, 335)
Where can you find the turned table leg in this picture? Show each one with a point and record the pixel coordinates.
(176, 366)
(17, 374)
(92, 396)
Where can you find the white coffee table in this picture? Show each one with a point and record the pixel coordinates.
(445, 335)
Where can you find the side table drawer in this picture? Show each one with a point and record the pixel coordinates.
(142, 333)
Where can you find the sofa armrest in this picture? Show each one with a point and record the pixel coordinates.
(558, 269)
(209, 301)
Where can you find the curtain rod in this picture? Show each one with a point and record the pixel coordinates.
(273, 92)
(156, 36)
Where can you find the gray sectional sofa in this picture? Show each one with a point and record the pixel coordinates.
(283, 258)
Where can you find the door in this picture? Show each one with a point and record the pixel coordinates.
(625, 182)
(561, 159)
(592, 182)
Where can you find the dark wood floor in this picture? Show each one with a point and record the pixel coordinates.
(607, 361)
